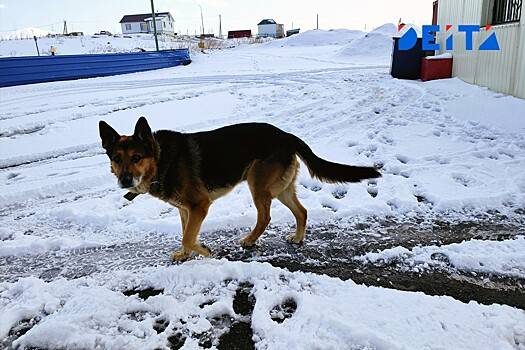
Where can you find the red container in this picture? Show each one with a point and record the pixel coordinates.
(436, 68)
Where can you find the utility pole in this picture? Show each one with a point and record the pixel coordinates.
(202, 22)
(220, 27)
(64, 31)
(317, 21)
(36, 43)
(154, 25)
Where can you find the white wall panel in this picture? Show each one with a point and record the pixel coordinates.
(502, 71)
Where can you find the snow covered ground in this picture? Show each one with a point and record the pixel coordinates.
(320, 312)
(448, 151)
(504, 258)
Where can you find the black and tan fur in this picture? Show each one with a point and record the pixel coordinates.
(192, 170)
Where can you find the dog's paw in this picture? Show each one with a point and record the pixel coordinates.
(180, 255)
(293, 239)
(247, 242)
(205, 251)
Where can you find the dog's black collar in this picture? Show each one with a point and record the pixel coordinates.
(130, 196)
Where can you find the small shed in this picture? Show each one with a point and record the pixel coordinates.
(245, 33)
(270, 28)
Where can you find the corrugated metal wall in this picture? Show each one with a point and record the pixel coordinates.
(519, 87)
(39, 69)
(502, 71)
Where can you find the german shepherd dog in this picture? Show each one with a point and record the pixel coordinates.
(191, 170)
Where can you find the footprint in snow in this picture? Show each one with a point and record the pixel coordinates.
(283, 311)
(372, 190)
(12, 176)
(402, 159)
(339, 193)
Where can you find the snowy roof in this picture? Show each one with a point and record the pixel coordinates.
(142, 17)
(267, 21)
(157, 17)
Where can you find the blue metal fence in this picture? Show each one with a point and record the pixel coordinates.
(40, 69)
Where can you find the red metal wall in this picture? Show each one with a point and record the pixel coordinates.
(239, 34)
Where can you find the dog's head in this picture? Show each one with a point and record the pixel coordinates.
(133, 158)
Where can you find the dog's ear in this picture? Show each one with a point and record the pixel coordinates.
(108, 135)
(142, 130)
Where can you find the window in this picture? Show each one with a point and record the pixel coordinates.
(506, 11)
(164, 23)
(128, 26)
(143, 27)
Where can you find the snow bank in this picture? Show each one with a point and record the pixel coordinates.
(18, 244)
(93, 44)
(504, 258)
(26, 33)
(319, 38)
(498, 110)
(330, 314)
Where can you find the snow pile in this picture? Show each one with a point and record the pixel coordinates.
(93, 312)
(504, 258)
(376, 44)
(26, 33)
(319, 38)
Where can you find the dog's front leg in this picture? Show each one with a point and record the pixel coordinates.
(190, 235)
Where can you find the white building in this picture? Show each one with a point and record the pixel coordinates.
(269, 28)
(143, 23)
(502, 70)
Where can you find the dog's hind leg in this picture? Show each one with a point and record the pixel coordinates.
(263, 202)
(289, 199)
(183, 213)
(267, 179)
(190, 241)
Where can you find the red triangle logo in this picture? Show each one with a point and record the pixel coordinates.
(448, 26)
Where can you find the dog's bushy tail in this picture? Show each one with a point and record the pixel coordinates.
(329, 171)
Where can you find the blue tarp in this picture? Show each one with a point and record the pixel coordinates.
(40, 69)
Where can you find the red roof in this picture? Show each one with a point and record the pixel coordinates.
(141, 17)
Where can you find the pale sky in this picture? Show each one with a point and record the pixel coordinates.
(95, 15)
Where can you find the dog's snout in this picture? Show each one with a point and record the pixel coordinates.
(126, 180)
